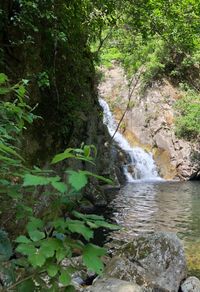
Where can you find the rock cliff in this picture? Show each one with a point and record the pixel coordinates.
(150, 122)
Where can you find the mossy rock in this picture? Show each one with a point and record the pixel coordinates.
(156, 261)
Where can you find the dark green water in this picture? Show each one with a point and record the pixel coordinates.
(161, 206)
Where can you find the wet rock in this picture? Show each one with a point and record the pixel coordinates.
(94, 194)
(155, 261)
(191, 284)
(151, 122)
(114, 285)
(195, 176)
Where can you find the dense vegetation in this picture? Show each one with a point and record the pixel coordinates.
(48, 78)
(48, 52)
(161, 39)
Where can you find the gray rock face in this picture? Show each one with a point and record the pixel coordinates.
(155, 261)
(191, 284)
(150, 122)
(114, 285)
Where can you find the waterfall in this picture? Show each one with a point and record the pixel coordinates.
(142, 165)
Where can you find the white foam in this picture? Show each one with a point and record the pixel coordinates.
(142, 166)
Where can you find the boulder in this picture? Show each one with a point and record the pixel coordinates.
(155, 261)
(114, 285)
(191, 284)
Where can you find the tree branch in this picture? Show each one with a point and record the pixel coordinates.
(133, 83)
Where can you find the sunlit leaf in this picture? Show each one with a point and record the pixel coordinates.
(88, 216)
(99, 177)
(3, 78)
(64, 278)
(60, 186)
(34, 180)
(77, 179)
(91, 258)
(34, 224)
(36, 235)
(36, 259)
(52, 270)
(22, 239)
(79, 227)
(61, 156)
(26, 249)
(61, 254)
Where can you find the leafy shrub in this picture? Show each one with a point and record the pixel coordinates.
(62, 232)
(188, 122)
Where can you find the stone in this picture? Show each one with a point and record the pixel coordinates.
(114, 285)
(191, 284)
(155, 261)
(151, 121)
(195, 176)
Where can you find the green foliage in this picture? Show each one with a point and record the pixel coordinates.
(188, 122)
(91, 257)
(161, 37)
(43, 80)
(58, 235)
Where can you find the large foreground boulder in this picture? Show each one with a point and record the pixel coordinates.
(155, 261)
(114, 285)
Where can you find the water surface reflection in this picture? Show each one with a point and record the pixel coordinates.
(159, 206)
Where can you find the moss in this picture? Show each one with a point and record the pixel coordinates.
(141, 245)
(192, 251)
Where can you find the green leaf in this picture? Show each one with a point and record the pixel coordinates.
(9, 150)
(36, 260)
(26, 249)
(21, 91)
(22, 239)
(4, 90)
(34, 224)
(77, 179)
(107, 225)
(47, 252)
(60, 254)
(79, 227)
(60, 223)
(86, 151)
(25, 81)
(21, 262)
(61, 156)
(52, 270)
(9, 160)
(70, 289)
(3, 78)
(34, 180)
(36, 235)
(99, 177)
(25, 286)
(92, 225)
(59, 186)
(87, 216)
(91, 257)
(49, 246)
(65, 278)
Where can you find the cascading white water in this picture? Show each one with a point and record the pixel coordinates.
(142, 165)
